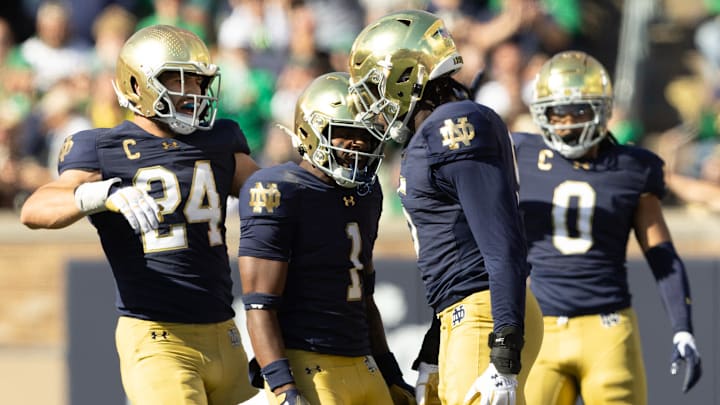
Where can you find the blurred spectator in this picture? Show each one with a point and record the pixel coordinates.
(61, 117)
(170, 12)
(16, 76)
(337, 22)
(296, 75)
(112, 27)
(245, 94)
(52, 52)
(261, 27)
(503, 90)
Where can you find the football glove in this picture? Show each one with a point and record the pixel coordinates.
(494, 388)
(426, 387)
(401, 392)
(291, 397)
(686, 352)
(140, 210)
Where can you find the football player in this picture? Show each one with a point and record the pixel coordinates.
(156, 189)
(581, 194)
(305, 258)
(458, 187)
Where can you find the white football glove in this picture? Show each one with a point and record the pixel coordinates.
(686, 352)
(494, 388)
(427, 377)
(140, 210)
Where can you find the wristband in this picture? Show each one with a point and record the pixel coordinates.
(505, 347)
(90, 197)
(277, 373)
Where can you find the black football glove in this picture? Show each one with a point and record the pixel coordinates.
(401, 392)
(686, 352)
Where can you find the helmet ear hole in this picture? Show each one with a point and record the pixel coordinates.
(134, 85)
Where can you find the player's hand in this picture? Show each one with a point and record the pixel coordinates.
(291, 397)
(426, 387)
(494, 388)
(686, 352)
(140, 210)
(402, 393)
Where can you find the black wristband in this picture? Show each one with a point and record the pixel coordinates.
(505, 347)
(277, 373)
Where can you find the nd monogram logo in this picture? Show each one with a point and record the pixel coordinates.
(267, 198)
(349, 201)
(67, 145)
(458, 315)
(454, 134)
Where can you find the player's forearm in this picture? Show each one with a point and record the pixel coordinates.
(50, 207)
(378, 341)
(265, 335)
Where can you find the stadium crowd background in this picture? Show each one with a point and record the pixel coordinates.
(57, 61)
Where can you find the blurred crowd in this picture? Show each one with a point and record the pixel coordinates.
(57, 61)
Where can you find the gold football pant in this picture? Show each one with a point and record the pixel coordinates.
(182, 364)
(464, 352)
(597, 356)
(336, 380)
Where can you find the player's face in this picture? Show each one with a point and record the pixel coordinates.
(354, 139)
(192, 84)
(569, 114)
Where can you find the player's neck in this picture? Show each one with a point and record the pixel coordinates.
(152, 127)
(316, 172)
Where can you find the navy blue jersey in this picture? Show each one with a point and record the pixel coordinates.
(578, 216)
(179, 273)
(458, 187)
(326, 233)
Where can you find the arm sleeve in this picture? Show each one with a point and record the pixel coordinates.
(669, 272)
(490, 205)
(430, 349)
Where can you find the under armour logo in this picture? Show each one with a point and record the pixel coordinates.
(168, 145)
(155, 335)
(458, 314)
(454, 134)
(309, 370)
(349, 200)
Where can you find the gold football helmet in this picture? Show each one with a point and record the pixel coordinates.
(391, 62)
(576, 80)
(322, 110)
(154, 50)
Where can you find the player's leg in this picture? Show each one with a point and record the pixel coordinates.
(227, 381)
(329, 379)
(157, 365)
(534, 332)
(464, 353)
(614, 372)
(551, 379)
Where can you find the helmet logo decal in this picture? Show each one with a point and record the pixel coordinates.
(262, 197)
(454, 134)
